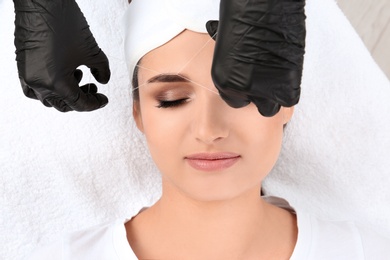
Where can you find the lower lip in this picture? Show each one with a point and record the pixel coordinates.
(212, 165)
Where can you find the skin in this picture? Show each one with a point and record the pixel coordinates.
(206, 214)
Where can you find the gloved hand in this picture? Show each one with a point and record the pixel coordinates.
(259, 53)
(52, 38)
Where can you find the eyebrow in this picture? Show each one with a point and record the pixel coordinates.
(168, 78)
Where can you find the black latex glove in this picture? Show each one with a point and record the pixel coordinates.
(259, 52)
(52, 39)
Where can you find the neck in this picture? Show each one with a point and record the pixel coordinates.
(247, 208)
(234, 228)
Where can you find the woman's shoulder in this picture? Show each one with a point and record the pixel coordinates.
(104, 241)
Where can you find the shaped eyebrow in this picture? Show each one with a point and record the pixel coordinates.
(167, 78)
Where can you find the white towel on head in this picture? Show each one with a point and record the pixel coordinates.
(60, 172)
(153, 23)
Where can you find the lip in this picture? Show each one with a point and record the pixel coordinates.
(212, 161)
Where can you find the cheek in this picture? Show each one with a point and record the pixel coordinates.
(267, 146)
(164, 131)
(269, 134)
(263, 137)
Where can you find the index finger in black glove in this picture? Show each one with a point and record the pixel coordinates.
(99, 67)
(259, 52)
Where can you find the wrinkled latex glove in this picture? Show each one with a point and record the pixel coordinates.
(52, 39)
(259, 52)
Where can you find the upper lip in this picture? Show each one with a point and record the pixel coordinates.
(212, 156)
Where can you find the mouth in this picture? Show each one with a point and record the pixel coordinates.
(212, 161)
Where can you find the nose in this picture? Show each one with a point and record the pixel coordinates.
(210, 123)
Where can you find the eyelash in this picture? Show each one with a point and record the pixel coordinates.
(171, 103)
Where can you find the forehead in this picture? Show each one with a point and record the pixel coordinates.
(186, 51)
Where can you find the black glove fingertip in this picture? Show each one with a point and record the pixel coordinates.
(78, 74)
(102, 76)
(89, 88)
(58, 104)
(103, 100)
(100, 68)
(266, 107)
(212, 28)
(27, 91)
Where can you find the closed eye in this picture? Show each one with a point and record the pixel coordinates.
(172, 103)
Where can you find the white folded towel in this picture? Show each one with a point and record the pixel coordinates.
(61, 172)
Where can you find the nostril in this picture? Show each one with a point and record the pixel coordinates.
(209, 139)
(211, 131)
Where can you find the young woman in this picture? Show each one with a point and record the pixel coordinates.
(212, 160)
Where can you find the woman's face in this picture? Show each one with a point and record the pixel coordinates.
(203, 148)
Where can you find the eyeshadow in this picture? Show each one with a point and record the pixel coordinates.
(171, 94)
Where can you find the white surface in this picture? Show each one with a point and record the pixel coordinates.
(62, 172)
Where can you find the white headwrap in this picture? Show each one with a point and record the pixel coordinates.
(152, 23)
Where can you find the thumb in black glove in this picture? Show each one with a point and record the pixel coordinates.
(52, 39)
(259, 53)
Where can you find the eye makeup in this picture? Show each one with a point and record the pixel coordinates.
(170, 90)
(173, 95)
(172, 103)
